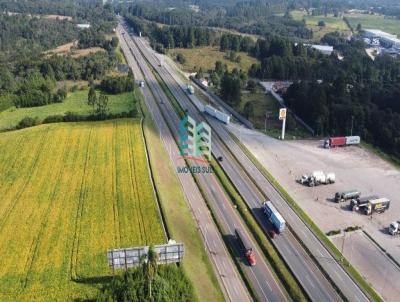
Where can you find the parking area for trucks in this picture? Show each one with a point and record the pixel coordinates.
(355, 168)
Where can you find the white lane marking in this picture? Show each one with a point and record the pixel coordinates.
(309, 281)
(270, 289)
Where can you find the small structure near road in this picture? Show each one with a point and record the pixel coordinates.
(130, 257)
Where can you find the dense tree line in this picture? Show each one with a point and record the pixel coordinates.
(101, 17)
(119, 84)
(254, 17)
(92, 38)
(173, 36)
(22, 36)
(330, 109)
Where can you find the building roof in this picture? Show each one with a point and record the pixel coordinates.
(379, 33)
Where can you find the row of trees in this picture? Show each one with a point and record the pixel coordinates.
(334, 109)
(173, 36)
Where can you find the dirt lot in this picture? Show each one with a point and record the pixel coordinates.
(355, 168)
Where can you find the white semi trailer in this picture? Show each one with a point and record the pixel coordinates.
(219, 115)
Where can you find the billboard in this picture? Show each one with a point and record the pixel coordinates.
(282, 114)
(130, 257)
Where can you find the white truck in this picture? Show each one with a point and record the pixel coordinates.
(394, 228)
(190, 89)
(317, 178)
(219, 115)
(141, 84)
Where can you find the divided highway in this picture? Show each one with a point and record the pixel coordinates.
(260, 276)
(233, 286)
(299, 261)
(312, 280)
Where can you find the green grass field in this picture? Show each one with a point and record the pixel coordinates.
(75, 102)
(331, 24)
(70, 192)
(381, 22)
(265, 104)
(205, 57)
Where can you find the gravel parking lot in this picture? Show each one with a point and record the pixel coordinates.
(355, 168)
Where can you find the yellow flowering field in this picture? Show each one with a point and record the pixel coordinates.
(68, 193)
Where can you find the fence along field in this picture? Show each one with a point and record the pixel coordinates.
(68, 193)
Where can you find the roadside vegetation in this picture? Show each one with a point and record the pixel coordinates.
(149, 282)
(71, 192)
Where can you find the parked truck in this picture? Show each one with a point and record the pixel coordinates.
(347, 195)
(273, 215)
(394, 228)
(360, 203)
(317, 178)
(190, 89)
(219, 115)
(341, 141)
(379, 205)
(246, 247)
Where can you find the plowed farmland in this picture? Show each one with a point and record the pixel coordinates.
(68, 193)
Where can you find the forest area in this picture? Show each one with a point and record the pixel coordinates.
(329, 93)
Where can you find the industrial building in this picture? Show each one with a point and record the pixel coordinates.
(389, 43)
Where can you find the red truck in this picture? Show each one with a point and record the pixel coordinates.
(341, 141)
(247, 248)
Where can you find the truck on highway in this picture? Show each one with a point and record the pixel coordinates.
(219, 115)
(341, 141)
(190, 89)
(394, 228)
(317, 178)
(379, 205)
(141, 84)
(246, 247)
(274, 216)
(347, 195)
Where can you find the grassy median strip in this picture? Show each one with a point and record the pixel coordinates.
(178, 218)
(355, 275)
(282, 271)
